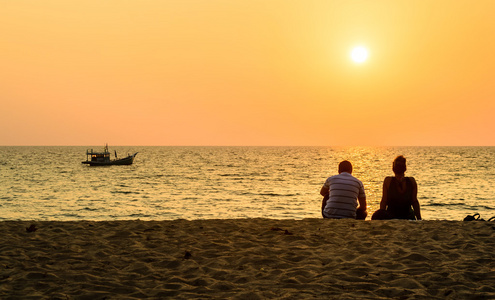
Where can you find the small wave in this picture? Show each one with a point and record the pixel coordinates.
(486, 207)
(70, 216)
(277, 195)
(140, 216)
(156, 176)
(443, 204)
(268, 194)
(124, 192)
(457, 205)
(89, 209)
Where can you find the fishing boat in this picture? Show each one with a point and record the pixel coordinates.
(103, 158)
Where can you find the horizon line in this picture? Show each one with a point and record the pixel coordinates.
(248, 145)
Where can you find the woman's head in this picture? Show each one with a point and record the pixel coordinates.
(399, 165)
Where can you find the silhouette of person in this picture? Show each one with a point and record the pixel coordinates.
(399, 198)
(341, 194)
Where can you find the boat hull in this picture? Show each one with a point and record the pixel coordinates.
(116, 162)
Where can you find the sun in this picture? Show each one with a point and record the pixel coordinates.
(359, 54)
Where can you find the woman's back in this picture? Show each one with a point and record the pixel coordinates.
(400, 198)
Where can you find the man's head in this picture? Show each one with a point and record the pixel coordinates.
(345, 166)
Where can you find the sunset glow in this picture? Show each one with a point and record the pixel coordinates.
(247, 73)
(359, 54)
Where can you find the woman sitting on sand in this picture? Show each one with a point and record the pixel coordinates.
(399, 197)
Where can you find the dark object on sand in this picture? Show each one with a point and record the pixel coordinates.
(381, 214)
(31, 228)
(103, 158)
(361, 214)
(187, 255)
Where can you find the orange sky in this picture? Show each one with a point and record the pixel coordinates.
(247, 72)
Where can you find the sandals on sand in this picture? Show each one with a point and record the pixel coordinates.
(477, 217)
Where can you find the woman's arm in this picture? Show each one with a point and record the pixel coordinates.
(415, 202)
(386, 184)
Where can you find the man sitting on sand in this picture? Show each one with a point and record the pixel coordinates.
(341, 194)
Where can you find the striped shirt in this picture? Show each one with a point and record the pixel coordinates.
(344, 190)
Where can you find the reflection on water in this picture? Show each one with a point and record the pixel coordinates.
(232, 182)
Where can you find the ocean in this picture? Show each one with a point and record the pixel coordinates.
(167, 183)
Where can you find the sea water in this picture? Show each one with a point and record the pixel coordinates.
(165, 183)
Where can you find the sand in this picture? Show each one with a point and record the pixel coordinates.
(248, 259)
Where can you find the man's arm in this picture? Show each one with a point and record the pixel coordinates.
(362, 203)
(324, 190)
(325, 193)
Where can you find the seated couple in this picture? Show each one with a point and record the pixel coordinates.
(341, 194)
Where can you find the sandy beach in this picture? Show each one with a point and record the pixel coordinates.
(247, 259)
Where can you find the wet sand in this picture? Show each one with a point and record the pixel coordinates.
(248, 259)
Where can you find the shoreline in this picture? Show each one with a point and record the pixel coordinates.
(248, 259)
